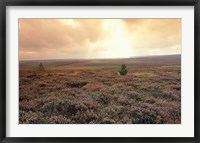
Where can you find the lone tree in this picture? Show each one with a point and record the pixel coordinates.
(123, 70)
(41, 67)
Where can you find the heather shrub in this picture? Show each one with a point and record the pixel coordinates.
(42, 121)
(99, 95)
(123, 100)
(73, 108)
(48, 107)
(107, 120)
(24, 97)
(143, 116)
(133, 94)
(27, 105)
(76, 84)
(88, 117)
(126, 120)
(104, 98)
(161, 94)
(91, 117)
(123, 70)
(91, 103)
(150, 100)
(30, 117)
(59, 119)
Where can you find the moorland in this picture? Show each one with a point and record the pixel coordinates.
(91, 91)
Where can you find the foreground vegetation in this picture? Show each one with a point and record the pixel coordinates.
(93, 92)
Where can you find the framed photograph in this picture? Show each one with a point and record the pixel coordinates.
(99, 71)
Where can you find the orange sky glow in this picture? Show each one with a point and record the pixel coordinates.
(97, 38)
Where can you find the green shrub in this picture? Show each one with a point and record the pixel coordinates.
(41, 67)
(76, 84)
(123, 70)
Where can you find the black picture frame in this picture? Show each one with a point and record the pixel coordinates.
(5, 3)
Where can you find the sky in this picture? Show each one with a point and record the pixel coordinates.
(97, 38)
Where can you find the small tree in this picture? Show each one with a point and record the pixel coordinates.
(123, 70)
(41, 67)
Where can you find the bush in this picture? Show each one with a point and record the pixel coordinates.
(76, 84)
(123, 70)
(41, 67)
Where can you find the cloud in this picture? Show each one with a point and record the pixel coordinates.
(55, 36)
(154, 33)
(97, 38)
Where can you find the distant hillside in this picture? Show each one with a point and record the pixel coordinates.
(132, 63)
(159, 58)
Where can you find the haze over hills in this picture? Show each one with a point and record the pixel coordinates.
(148, 57)
(132, 62)
(159, 57)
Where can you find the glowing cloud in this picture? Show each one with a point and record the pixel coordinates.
(97, 38)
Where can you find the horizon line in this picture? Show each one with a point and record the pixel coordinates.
(98, 58)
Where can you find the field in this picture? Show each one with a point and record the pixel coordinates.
(93, 92)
